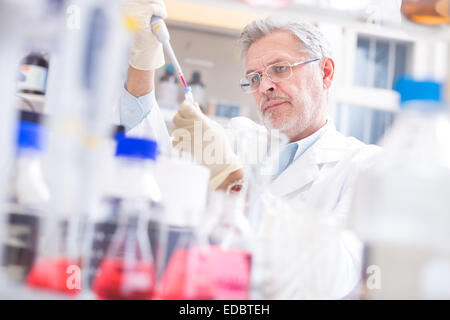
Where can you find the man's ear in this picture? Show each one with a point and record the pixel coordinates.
(327, 72)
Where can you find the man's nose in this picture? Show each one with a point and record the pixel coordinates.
(266, 85)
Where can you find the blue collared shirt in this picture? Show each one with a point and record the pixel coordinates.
(294, 150)
(133, 110)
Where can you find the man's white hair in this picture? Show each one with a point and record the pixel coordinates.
(312, 40)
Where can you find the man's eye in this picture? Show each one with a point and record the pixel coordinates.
(280, 69)
(255, 78)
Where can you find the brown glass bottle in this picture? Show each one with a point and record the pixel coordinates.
(427, 12)
(36, 63)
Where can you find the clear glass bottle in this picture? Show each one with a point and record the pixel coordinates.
(401, 204)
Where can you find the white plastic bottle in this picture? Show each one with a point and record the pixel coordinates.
(402, 205)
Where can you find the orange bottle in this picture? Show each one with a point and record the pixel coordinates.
(427, 12)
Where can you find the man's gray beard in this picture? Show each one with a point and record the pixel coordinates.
(301, 122)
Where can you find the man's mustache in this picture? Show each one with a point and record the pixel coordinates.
(267, 98)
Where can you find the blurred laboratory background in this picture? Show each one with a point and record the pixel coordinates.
(70, 178)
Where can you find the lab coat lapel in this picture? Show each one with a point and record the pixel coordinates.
(301, 172)
(331, 147)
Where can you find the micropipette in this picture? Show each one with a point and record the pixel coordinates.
(159, 29)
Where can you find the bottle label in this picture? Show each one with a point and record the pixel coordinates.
(32, 78)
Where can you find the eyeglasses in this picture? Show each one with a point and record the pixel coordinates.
(276, 72)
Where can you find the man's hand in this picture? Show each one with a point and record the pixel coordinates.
(206, 140)
(146, 51)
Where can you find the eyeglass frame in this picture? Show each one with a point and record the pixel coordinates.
(260, 73)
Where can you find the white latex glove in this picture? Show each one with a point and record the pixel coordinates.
(207, 142)
(146, 51)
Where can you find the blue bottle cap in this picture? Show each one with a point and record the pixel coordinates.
(413, 90)
(136, 148)
(30, 135)
(118, 132)
(170, 68)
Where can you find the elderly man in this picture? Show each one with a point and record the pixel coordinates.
(289, 71)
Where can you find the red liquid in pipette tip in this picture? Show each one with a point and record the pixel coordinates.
(182, 80)
(119, 279)
(56, 274)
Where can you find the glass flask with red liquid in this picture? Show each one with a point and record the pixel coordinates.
(207, 273)
(210, 264)
(127, 271)
(57, 267)
(58, 274)
(188, 276)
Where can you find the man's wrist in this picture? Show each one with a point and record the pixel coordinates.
(233, 177)
(140, 82)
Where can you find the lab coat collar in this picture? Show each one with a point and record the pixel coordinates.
(332, 146)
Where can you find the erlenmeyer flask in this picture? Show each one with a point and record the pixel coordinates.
(213, 261)
(127, 272)
(188, 275)
(57, 267)
(181, 179)
(231, 249)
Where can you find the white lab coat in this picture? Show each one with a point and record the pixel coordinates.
(322, 178)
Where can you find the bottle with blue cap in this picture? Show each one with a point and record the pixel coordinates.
(27, 201)
(127, 270)
(401, 207)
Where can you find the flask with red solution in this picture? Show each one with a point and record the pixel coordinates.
(127, 271)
